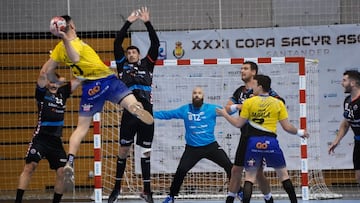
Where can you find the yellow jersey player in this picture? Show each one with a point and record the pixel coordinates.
(262, 112)
(99, 84)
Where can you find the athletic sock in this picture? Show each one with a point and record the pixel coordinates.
(57, 197)
(71, 158)
(120, 169)
(248, 186)
(145, 169)
(268, 196)
(19, 195)
(231, 194)
(289, 188)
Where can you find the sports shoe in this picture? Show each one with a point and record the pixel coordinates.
(69, 182)
(138, 110)
(147, 197)
(169, 199)
(240, 195)
(230, 199)
(271, 200)
(113, 196)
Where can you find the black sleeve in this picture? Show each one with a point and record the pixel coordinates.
(273, 93)
(155, 44)
(118, 49)
(66, 90)
(237, 97)
(40, 93)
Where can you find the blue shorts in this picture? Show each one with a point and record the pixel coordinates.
(263, 150)
(96, 92)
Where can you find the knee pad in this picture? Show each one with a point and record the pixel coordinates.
(145, 152)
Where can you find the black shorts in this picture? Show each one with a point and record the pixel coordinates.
(131, 126)
(356, 155)
(213, 152)
(240, 151)
(47, 147)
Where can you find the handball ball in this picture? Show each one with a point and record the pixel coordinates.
(57, 24)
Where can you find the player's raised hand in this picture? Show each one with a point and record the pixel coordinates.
(64, 36)
(133, 16)
(144, 14)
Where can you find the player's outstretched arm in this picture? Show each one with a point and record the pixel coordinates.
(49, 68)
(73, 55)
(231, 107)
(235, 121)
(75, 82)
(42, 78)
(119, 39)
(178, 113)
(153, 51)
(343, 129)
(290, 128)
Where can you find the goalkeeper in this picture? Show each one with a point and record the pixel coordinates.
(199, 120)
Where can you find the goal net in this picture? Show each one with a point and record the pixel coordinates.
(172, 86)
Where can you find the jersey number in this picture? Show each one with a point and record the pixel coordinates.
(76, 70)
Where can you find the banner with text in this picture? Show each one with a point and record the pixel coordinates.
(336, 47)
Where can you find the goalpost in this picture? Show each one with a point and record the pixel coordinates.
(294, 78)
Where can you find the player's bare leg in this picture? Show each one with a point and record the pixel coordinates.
(24, 180)
(74, 144)
(264, 185)
(287, 184)
(133, 106)
(357, 175)
(59, 185)
(235, 183)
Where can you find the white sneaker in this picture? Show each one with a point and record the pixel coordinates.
(137, 110)
(69, 182)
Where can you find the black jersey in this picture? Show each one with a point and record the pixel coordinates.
(51, 109)
(243, 93)
(240, 95)
(137, 76)
(352, 113)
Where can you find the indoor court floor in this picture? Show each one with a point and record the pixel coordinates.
(190, 201)
(347, 196)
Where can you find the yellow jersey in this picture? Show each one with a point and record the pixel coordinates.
(89, 67)
(263, 112)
